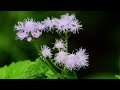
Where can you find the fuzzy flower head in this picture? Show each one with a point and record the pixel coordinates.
(60, 57)
(68, 17)
(71, 62)
(75, 26)
(77, 60)
(46, 51)
(68, 23)
(48, 23)
(29, 29)
(59, 44)
(29, 25)
(36, 33)
(21, 35)
(62, 26)
(20, 26)
(40, 26)
(82, 58)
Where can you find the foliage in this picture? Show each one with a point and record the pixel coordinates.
(32, 70)
(14, 70)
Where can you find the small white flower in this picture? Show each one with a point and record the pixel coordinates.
(29, 39)
(48, 23)
(20, 26)
(62, 26)
(54, 21)
(46, 51)
(21, 35)
(36, 33)
(68, 23)
(29, 25)
(82, 59)
(60, 58)
(68, 17)
(75, 26)
(59, 44)
(40, 26)
(71, 62)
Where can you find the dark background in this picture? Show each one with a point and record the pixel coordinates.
(100, 36)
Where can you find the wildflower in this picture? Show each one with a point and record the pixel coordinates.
(48, 23)
(74, 26)
(62, 26)
(36, 33)
(40, 26)
(71, 61)
(29, 29)
(59, 44)
(60, 58)
(68, 17)
(21, 35)
(54, 21)
(29, 25)
(82, 58)
(68, 23)
(46, 51)
(20, 26)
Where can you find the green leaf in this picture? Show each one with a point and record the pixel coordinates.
(117, 76)
(14, 70)
(100, 76)
(66, 74)
(51, 75)
(39, 70)
(3, 71)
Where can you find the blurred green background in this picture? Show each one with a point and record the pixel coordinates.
(100, 36)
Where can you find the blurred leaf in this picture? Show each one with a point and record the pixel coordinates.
(117, 76)
(101, 76)
(3, 71)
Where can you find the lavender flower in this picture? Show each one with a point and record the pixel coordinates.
(20, 26)
(68, 23)
(74, 26)
(40, 26)
(62, 26)
(68, 17)
(46, 51)
(70, 62)
(29, 28)
(60, 58)
(82, 59)
(49, 24)
(21, 35)
(59, 44)
(36, 33)
(29, 25)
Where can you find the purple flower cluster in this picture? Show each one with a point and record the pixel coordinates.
(30, 29)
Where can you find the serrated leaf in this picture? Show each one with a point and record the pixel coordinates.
(14, 70)
(39, 70)
(51, 75)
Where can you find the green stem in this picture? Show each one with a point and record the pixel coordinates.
(69, 35)
(55, 65)
(45, 59)
(61, 35)
(66, 39)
